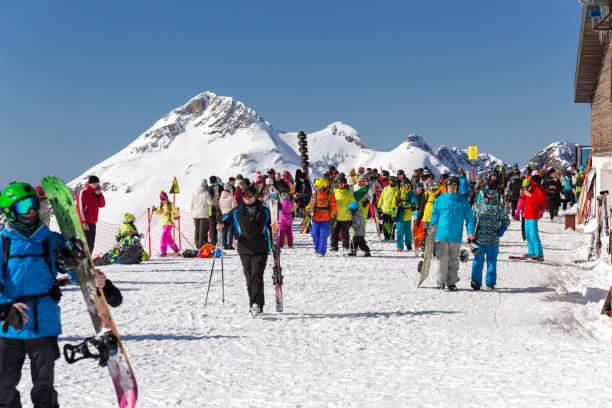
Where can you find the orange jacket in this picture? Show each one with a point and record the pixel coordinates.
(443, 188)
(323, 205)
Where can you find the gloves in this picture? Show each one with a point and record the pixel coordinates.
(501, 231)
(365, 203)
(112, 294)
(11, 316)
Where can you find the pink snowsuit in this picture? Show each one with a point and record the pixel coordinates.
(286, 220)
(520, 208)
(166, 239)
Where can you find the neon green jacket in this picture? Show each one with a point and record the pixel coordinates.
(344, 197)
(386, 199)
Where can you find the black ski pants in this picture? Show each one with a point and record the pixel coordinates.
(360, 242)
(42, 353)
(513, 204)
(388, 220)
(201, 231)
(341, 226)
(254, 266)
(90, 236)
(212, 222)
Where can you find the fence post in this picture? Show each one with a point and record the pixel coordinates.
(149, 228)
(179, 228)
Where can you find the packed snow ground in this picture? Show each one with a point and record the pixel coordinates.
(356, 333)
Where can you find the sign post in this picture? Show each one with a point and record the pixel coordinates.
(473, 156)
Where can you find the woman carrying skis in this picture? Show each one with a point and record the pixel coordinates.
(169, 213)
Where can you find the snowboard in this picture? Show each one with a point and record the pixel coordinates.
(106, 336)
(425, 264)
(277, 277)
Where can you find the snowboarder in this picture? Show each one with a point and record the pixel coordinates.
(344, 197)
(200, 201)
(358, 225)
(29, 297)
(88, 203)
(534, 203)
(169, 213)
(449, 212)
(492, 221)
(251, 221)
(404, 203)
(324, 209)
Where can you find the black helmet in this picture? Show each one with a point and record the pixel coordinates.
(453, 180)
(341, 178)
(401, 172)
(444, 176)
(385, 173)
(212, 179)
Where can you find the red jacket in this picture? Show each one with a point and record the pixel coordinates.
(238, 195)
(88, 203)
(534, 203)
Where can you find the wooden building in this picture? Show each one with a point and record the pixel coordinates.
(593, 84)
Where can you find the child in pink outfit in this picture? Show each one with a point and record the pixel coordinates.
(169, 213)
(286, 220)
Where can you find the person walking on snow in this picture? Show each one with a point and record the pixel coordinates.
(492, 221)
(417, 230)
(426, 206)
(30, 296)
(553, 189)
(169, 213)
(358, 225)
(324, 209)
(227, 202)
(88, 203)
(534, 203)
(404, 202)
(286, 220)
(449, 213)
(344, 197)
(200, 201)
(386, 204)
(251, 220)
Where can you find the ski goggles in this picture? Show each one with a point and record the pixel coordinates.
(341, 185)
(489, 192)
(22, 207)
(248, 195)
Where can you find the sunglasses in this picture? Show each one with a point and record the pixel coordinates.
(22, 207)
(248, 195)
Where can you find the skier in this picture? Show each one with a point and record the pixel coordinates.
(251, 221)
(200, 201)
(426, 206)
(553, 188)
(324, 209)
(303, 193)
(514, 190)
(169, 213)
(227, 202)
(386, 205)
(534, 202)
(88, 203)
(344, 197)
(492, 221)
(286, 220)
(405, 202)
(449, 212)
(29, 297)
(358, 225)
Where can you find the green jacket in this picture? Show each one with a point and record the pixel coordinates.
(360, 196)
(344, 197)
(404, 202)
(386, 199)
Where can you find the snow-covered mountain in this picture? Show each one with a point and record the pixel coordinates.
(559, 155)
(219, 135)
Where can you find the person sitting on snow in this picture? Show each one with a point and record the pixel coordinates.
(492, 221)
(129, 249)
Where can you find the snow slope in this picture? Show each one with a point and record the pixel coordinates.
(218, 135)
(356, 333)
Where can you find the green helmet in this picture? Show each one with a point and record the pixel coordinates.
(13, 193)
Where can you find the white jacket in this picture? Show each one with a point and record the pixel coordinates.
(200, 200)
(227, 202)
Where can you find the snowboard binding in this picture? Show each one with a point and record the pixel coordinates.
(106, 344)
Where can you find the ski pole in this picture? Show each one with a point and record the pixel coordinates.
(222, 282)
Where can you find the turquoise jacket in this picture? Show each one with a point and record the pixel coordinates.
(449, 213)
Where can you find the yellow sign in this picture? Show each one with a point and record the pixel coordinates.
(473, 152)
(175, 188)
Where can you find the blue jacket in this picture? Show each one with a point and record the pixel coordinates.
(31, 276)
(464, 185)
(449, 212)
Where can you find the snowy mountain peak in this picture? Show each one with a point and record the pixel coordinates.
(418, 142)
(559, 155)
(347, 132)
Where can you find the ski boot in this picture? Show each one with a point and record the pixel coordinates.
(352, 253)
(367, 255)
(528, 256)
(255, 310)
(475, 285)
(398, 250)
(451, 288)
(538, 258)
(490, 287)
(441, 286)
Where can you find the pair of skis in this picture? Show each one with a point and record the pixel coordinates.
(277, 276)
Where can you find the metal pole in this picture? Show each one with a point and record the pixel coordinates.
(149, 232)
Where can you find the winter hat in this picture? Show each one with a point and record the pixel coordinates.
(385, 173)
(321, 183)
(250, 190)
(341, 179)
(127, 217)
(526, 183)
(163, 196)
(271, 171)
(212, 179)
(535, 173)
(453, 180)
(352, 171)
(419, 185)
(353, 206)
(360, 170)
(93, 179)
(40, 191)
(401, 172)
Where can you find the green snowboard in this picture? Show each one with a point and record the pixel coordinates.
(106, 339)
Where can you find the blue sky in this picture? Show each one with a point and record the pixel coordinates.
(80, 80)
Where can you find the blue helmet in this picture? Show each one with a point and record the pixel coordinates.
(353, 206)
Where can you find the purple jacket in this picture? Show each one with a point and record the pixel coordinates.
(285, 214)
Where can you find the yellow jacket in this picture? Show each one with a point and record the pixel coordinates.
(169, 214)
(386, 201)
(430, 198)
(344, 197)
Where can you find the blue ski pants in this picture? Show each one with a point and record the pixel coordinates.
(490, 251)
(534, 246)
(320, 232)
(404, 232)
